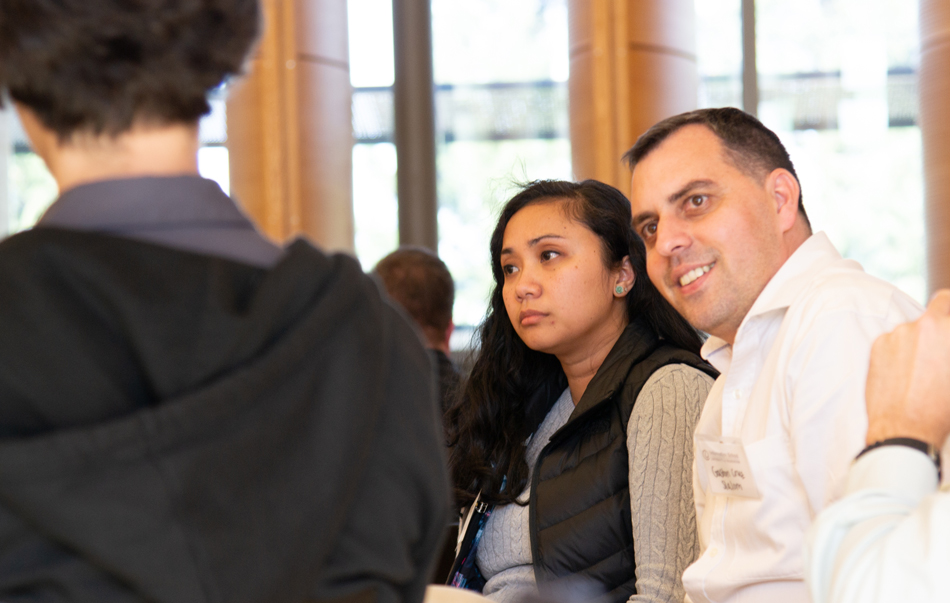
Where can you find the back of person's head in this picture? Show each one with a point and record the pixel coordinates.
(748, 144)
(102, 66)
(422, 284)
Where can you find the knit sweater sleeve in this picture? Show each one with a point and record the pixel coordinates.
(660, 447)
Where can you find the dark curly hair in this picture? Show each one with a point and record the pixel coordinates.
(512, 387)
(100, 66)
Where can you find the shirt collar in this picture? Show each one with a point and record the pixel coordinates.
(816, 253)
(119, 205)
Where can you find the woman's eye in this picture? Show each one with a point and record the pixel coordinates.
(696, 200)
(548, 255)
(508, 269)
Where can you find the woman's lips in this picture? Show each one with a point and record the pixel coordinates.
(530, 317)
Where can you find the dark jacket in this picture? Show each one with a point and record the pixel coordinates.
(579, 499)
(177, 427)
(579, 506)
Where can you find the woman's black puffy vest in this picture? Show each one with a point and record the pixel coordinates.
(579, 509)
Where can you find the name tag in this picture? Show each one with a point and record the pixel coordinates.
(724, 462)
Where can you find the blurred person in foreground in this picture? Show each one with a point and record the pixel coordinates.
(889, 538)
(421, 283)
(189, 412)
(718, 204)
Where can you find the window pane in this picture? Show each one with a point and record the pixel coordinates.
(475, 179)
(719, 52)
(838, 83)
(375, 210)
(370, 35)
(483, 41)
(31, 189)
(501, 104)
(374, 202)
(500, 70)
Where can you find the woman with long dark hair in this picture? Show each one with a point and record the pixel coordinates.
(571, 444)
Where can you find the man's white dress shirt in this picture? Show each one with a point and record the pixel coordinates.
(888, 539)
(792, 390)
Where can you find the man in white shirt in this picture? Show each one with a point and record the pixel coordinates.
(718, 204)
(887, 540)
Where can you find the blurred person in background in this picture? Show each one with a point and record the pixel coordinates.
(189, 412)
(421, 283)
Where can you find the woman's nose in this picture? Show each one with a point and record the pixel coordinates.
(527, 285)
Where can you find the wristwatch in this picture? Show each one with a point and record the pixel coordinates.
(929, 449)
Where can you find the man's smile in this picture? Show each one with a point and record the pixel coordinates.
(695, 273)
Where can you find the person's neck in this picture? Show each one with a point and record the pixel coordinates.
(792, 239)
(169, 150)
(580, 368)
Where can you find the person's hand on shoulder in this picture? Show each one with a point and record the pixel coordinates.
(908, 386)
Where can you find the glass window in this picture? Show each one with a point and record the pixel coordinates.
(719, 52)
(375, 209)
(500, 70)
(30, 188)
(838, 84)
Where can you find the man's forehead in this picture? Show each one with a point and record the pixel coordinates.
(692, 153)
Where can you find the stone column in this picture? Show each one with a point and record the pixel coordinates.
(935, 131)
(414, 106)
(633, 63)
(290, 126)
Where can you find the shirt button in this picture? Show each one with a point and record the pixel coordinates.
(713, 552)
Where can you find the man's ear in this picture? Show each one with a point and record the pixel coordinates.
(784, 190)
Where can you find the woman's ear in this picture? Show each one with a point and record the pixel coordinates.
(624, 277)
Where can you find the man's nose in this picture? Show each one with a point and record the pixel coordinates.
(671, 238)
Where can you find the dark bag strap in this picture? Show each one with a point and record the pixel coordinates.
(465, 573)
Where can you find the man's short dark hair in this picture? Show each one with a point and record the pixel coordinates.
(101, 66)
(422, 284)
(750, 146)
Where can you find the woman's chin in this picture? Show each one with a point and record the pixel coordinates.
(539, 343)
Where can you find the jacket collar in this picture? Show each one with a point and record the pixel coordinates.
(636, 342)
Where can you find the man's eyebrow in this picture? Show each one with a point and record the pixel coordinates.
(531, 243)
(646, 215)
(686, 189)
